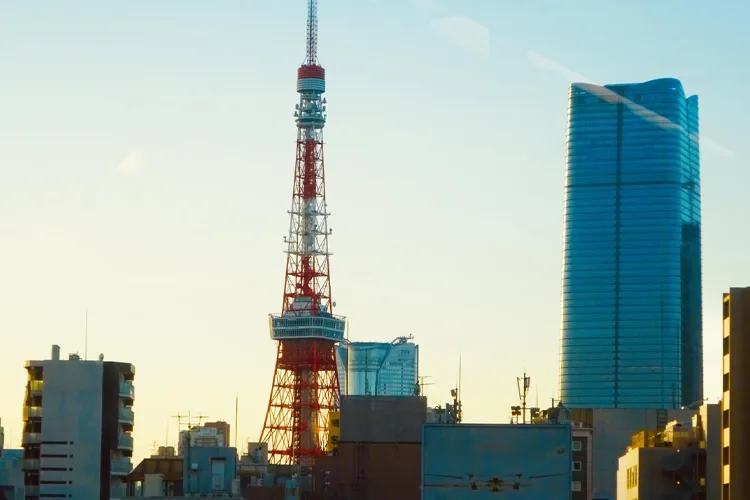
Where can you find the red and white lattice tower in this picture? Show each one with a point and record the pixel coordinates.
(305, 382)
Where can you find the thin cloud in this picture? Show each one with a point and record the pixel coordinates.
(608, 95)
(132, 164)
(465, 33)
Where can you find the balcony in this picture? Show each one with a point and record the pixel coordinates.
(36, 386)
(125, 442)
(31, 412)
(121, 467)
(30, 464)
(31, 438)
(291, 326)
(126, 416)
(127, 391)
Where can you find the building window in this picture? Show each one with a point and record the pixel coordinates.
(726, 419)
(726, 382)
(576, 465)
(576, 486)
(725, 456)
(726, 344)
(577, 446)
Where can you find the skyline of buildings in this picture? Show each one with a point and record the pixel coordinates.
(631, 333)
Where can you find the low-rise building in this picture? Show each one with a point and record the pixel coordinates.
(612, 432)
(11, 475)
(663, 464)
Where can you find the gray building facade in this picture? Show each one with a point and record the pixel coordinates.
(78, 420)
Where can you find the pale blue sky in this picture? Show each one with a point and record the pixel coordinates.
(146, 153)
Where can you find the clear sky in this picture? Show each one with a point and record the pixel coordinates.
(146, 155)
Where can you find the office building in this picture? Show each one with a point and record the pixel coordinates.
(78, 419)
(735, 418)
(223, 427)
(380, 368)
(631, 290)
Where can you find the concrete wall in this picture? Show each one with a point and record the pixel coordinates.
(382, 419)
(198, 475)
(72, 428)
(370, 471)
(710, 415)
(525, 462)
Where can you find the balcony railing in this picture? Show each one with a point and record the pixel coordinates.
(127, 416)
(126, 442)
(121, 466)
(31, 438)
(36, 385)
(127, 390)
(31, 412)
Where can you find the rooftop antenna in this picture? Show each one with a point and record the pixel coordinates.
(523, 384)
(422, 383)
(459, 417)
(236, 418)
(86, 337)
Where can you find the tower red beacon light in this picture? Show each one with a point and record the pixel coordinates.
(305, 382)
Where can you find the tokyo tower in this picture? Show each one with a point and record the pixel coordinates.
(305, 382)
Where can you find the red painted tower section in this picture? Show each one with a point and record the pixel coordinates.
(305, 383)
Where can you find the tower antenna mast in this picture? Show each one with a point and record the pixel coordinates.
(312, 33)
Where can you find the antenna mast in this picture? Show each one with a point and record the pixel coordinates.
(86, 337)
(312, 33)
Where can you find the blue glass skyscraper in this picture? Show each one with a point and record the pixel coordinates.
(631, 288)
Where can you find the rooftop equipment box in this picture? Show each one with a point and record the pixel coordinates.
(527, 462)
(382, 419)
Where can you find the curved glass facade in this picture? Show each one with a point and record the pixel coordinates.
(631, 290)
(380, 368)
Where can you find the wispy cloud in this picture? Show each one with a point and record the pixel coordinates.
(605, 94)
(542, 62)
(132, 164)
(464, 32)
